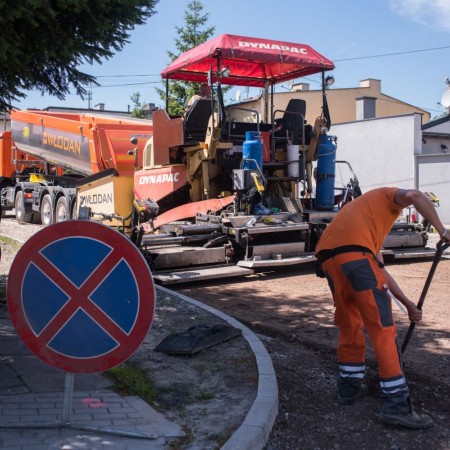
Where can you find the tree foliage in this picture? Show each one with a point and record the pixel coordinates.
(192, 34)
(138, 106)
(44, 42)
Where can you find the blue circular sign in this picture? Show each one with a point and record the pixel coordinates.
(81, 296)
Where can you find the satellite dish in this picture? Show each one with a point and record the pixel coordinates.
(290, 85)
(445, 100)
(237, 95)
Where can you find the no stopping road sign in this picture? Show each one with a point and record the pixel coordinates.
(81, 296)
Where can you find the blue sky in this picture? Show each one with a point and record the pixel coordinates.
(413, 36)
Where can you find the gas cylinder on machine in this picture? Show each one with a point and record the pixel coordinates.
(326, 170)
(252, 151)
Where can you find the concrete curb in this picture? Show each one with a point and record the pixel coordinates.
(254, 431)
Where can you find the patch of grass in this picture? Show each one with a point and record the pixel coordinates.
(205, 395)
(180, 443)
(133, 381)
(222, 437)
(8, 246)
(15, 245)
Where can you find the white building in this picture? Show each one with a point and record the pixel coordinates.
(399, 151)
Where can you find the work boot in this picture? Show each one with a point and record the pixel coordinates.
(349, 400)
(410, 420)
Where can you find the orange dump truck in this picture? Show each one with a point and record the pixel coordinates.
(49, 157)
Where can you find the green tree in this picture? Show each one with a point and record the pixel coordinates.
(138, 107)
(43, 42)
(192, 34)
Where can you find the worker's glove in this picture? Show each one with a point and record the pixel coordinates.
(445, 236)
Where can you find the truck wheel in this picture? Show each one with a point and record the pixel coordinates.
(47, 216)
(74, 215)
(21, 214)
(36, 217)
(62, 210)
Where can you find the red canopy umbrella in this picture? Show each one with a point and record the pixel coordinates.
(252, 61)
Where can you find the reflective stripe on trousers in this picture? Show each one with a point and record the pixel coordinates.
(356, 282)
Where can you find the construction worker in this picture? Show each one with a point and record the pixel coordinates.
(348, 255)
(204, 92)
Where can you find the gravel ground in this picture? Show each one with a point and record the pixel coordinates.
(293, 313)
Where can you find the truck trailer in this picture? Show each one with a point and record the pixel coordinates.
(48, 156)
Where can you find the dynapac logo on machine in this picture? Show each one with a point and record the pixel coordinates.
(271, 46)
(159, 178)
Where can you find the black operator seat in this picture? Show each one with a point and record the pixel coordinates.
(291, 123)
(196, 120)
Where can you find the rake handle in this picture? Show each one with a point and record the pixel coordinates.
(440, 247)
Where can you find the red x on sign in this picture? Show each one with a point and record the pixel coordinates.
(81, 296)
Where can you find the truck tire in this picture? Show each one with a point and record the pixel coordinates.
(36, 218)
(74, 215)
(22, 215)
(62, 210)
(47, 215)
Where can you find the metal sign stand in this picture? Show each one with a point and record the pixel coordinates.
(66, 420)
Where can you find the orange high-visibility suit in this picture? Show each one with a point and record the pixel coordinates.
(347, 250)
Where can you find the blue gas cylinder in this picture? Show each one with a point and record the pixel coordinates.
(252, 150)
(326, 170)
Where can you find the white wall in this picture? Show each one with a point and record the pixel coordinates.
(388, 152)
(433, 175)
(381, 151)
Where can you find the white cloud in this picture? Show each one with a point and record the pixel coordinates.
(434, 13)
